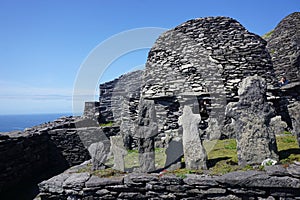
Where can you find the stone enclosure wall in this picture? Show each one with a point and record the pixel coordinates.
(43, 151)
(276, 182)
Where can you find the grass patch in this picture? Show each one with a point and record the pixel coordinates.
(222, 158)
(223, 148)
(286, 142)
(106, 124)
(268, 35)
(132, 158)
(181, 173)
(288, 149)
(287, 133)
(104, 173)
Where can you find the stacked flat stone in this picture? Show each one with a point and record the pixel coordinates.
(284, 47)
(233, 52)
(119, 99)
(276, 182)
(44, 150)
(91, 110)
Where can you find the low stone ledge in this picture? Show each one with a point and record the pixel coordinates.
(274, 182)
(201, 180)
(95, 181)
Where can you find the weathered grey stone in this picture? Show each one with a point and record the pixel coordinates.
(200, 180)
(194, 152)
(139, 179)
(276, 170)
(118, 149)
(252, 114)
(131, 195)
(95, 181)
(102, 192)
(91, 110)
(277, 126)
(174, 154)
(99, 152)
(294, 112)
(243, 191)
(234, 185)
(145, 133)
(257, 179)
(214, 129)
(284, 47)
(294, 170)
(54, 184)
(170, 180)
(76, 180)
(147, 122)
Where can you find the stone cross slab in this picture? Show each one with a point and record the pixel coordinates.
(194, 152)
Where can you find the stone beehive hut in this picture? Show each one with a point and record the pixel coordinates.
(284, 47)
(202, 59)
(202, 62)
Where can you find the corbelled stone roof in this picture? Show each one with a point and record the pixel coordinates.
(284, 47)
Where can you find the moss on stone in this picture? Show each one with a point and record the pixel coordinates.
(268, 35)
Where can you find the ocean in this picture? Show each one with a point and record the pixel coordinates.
(20, 122)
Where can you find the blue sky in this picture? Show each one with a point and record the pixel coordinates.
(43, 43)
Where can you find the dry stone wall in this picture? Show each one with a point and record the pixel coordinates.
(222, 45)
(37, 153)
(276, 182)
(284, 47)
(119, 98)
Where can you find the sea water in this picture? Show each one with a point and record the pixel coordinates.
(20, 122)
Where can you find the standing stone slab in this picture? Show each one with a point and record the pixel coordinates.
(174, 154)
(294, 112)
(118, 149)
(252, 114)
(145, 133)
(99, 152)
(194, 152)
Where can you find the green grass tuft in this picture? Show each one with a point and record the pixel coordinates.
(268, 35)
(287, 133)
(106, 124)
(222, 158)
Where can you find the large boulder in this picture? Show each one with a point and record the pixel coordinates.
(252, 114)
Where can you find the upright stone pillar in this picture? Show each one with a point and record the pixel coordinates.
(252, 114)
(99, 152)
(118, 149)
(145, 133)
(194, 153)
